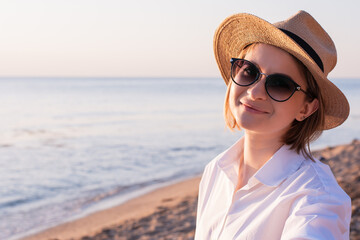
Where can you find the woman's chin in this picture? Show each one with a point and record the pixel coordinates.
(250, 125)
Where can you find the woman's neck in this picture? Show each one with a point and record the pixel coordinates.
(258, 149)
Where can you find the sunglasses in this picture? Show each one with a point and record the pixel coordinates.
(278, 86)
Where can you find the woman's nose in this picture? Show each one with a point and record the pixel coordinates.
(257, 91)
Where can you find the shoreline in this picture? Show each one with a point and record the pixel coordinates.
(164, 197)
(169, 212)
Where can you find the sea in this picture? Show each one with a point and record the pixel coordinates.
(73, 146)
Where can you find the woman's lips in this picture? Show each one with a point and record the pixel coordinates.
(253, 109)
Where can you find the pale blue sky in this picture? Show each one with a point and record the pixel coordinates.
(146, 38)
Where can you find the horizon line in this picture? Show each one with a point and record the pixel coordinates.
(135, 77)
(109, 77)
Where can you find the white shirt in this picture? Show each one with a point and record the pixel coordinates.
(289, 197)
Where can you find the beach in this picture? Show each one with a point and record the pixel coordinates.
(170, 212)
(145, 217)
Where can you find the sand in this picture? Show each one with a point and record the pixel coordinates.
(170, 212)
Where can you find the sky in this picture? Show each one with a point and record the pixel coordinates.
(144, 38)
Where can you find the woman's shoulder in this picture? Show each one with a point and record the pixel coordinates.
(317, 203)
(226, 157)
(317, 177)
(212, 165)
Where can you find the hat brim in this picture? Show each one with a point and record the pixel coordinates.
(240, 30)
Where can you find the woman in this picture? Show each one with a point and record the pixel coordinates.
(267, 185)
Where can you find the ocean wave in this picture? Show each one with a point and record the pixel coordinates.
(193, 148)
(7, 203)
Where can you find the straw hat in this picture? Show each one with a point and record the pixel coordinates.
(300, 35)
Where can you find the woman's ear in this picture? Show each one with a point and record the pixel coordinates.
(308, 109)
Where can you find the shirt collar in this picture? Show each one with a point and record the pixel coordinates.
(281, 165)
(229, 161)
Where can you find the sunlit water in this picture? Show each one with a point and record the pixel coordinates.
(72, 146)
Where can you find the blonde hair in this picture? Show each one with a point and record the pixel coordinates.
(300, 133)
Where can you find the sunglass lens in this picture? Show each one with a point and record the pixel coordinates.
(279, 88)
(244, 73)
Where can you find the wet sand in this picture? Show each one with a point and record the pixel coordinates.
(170, 212)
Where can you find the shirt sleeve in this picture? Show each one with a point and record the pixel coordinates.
(319, 215)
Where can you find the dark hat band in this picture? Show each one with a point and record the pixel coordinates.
(307, 48)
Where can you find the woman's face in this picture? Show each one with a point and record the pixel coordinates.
(254, 110)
